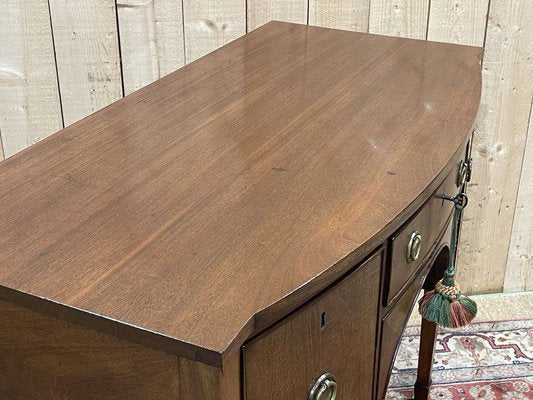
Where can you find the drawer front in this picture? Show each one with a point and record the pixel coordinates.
(406, 254)
(391, 333)
(334, 333)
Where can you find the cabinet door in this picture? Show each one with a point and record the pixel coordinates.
(334, 333)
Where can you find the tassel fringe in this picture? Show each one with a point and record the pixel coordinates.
(447, 307)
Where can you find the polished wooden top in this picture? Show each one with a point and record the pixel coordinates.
(200, 209)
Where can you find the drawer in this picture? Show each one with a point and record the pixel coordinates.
(335, 333)
(391, 333)
(423, 228)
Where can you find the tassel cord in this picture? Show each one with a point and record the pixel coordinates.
(445, 305)
(460, 201)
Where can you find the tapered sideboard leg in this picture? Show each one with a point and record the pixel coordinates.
(428, 335)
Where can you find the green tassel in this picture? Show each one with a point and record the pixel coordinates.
(469, 304)
(438, 310)
(445, 305)
(446, 309)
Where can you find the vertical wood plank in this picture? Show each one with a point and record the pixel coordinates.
(262, 11)
(210, 24)
(519, 271)
(458, 21)
(151, 40)
(498, 145)
(340, 14)
(29, 99)
(88, 62)
(405, 18)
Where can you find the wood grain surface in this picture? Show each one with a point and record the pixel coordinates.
(201, 381)
(335, 333)
(42, 357)
(396, 316)
(204, 207)
(30, 107)
(45, 358)
(392, 329)
(429, 222)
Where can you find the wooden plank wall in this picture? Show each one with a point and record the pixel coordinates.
(29, 94)
(87, 55)
(259, 12)
(499, 155)
(519, 272)
(67, 59)
(350, 15)
(151, 40)
(210, 24)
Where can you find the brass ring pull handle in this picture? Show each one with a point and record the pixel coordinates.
(325, 388)
(469, 163)
(413, 248)
(463, 174)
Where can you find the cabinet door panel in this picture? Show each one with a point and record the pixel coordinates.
(334, 333)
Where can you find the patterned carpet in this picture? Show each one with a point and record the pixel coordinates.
(487, 360)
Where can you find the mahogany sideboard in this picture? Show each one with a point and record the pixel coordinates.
(254, 226)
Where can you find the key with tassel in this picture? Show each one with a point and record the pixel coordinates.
(446, 305)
